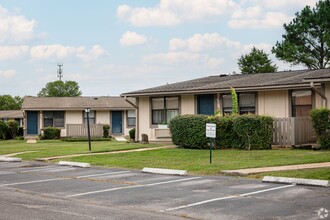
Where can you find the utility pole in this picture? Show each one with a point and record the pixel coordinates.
(59, 71)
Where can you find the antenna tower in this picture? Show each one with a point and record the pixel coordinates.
(60, 71)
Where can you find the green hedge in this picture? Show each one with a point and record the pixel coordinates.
(51, 133)
(240, 132)
(321, 125)
(106, 131)
(4, 130)
(12, 129)
(188, 131)
(132, 133)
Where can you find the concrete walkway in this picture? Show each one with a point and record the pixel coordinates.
(103, 153)
(277, 168)
(18, 153)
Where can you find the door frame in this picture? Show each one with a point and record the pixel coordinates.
(121, 121)
(27, 123)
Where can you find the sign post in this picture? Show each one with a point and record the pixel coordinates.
(211, 133)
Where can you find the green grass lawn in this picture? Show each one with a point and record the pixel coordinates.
(319, 173)
(197, 161)
(49, 148)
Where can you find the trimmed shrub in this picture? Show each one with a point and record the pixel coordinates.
(20, 132)
(12, 129)
(132, 134)
(321, 125)
(51, 133)
(4, 130)
(188, 131)
(106, 129)
(254, 131)
(240, 132)
(226, 137)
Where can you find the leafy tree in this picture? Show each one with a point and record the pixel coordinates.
(307, 38)
(256, 61)
(60, 89)
(7, 102)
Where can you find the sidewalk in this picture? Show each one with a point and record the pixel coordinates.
(277, 168)
(102, 153)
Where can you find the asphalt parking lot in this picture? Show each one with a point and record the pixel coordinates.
(105, 193)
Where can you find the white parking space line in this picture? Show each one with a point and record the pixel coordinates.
(9, 164)
(29, 182)
(129, 187)
(58, 170)
(225, 198)
(43, 169)
(103, 174)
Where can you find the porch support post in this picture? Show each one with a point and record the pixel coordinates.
(136, 106)
(324, 98)
(218, 102)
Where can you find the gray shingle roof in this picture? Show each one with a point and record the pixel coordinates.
(263, 81)
(75, 103)
(11, 114)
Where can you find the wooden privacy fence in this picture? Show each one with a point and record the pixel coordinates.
(293, 131)
(80, 130)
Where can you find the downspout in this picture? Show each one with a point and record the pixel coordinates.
(136, 119)
(324, 98)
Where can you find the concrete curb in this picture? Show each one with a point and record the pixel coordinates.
(10, 159)
(74, 164)
(298, 181)
(164, 171)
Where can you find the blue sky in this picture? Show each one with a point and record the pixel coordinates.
(111, 47)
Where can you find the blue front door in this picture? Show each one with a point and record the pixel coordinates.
(32, 123)
(205, 104)
(117, 119)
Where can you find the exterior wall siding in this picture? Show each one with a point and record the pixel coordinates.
(274, 103)
(102, 117)
(145, 117)
(187, 104)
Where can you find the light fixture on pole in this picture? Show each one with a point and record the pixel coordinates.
(87, 110)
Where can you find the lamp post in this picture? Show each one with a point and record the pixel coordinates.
(87, 110)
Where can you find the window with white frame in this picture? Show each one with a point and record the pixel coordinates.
(131, 118)
(53, 119)
(164, 109)
(91, 117)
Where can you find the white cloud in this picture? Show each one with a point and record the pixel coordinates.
(15, 28)
(256, 17)
(57, 51)
(173, 12)
(7, 73)
(132, 38)
(91, 55)
(281, 4)
(13, 52)
(183, 59)
(200, 42)
(52, 51)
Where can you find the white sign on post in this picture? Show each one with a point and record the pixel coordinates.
(210, 130)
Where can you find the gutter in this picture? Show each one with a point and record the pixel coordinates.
(324, 98)
(136, 117)
(222, 90)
